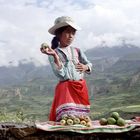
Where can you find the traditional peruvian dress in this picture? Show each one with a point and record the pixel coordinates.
(71, 93)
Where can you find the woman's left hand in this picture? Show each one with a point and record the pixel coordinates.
(81, 67)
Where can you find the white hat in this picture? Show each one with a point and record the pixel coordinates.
(61, 22)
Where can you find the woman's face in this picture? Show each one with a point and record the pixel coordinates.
(67, 36)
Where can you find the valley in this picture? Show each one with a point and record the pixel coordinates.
(26, 91)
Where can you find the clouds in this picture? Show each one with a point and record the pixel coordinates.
(24, 24)
(111, 22)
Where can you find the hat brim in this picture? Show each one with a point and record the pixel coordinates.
(59, 25)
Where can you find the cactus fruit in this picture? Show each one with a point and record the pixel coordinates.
(89, 124)
(87, 118)
(63, 122)
(115, 115)
(83, 123)
(65, 117)
(71, 120)
(103, 121)
(81, 117)
(44, 45)
(114, 119)
(121, 122)
(76, 120)
(111, 120)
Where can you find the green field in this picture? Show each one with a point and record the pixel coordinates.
(108, 92)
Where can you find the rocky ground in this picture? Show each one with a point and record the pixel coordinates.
(14, 131)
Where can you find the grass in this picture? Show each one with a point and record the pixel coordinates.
(122, 101)
(131, 108)
(37, 99)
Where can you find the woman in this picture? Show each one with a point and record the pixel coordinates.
(69, 64)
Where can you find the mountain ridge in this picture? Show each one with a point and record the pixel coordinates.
(102, 59)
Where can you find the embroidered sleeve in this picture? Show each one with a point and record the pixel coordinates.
(57, 71)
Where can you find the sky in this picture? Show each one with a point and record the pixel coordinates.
(24, 25)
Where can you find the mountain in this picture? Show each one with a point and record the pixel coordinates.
(115, 59)
(115, 51)
(129, 63)
(23, 72)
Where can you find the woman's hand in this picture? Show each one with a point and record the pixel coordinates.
(48, 51)
(81, 67)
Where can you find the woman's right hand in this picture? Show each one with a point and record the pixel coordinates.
(48, 51)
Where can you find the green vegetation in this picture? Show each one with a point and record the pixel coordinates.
(34, 102)
(13, 117)
(112, 88)
(107, 94)
(115, 92)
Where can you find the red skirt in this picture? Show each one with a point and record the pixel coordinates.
(71, 98)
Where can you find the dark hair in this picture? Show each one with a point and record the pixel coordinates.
(55, 40)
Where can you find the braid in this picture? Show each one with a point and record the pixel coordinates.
(54, 42)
